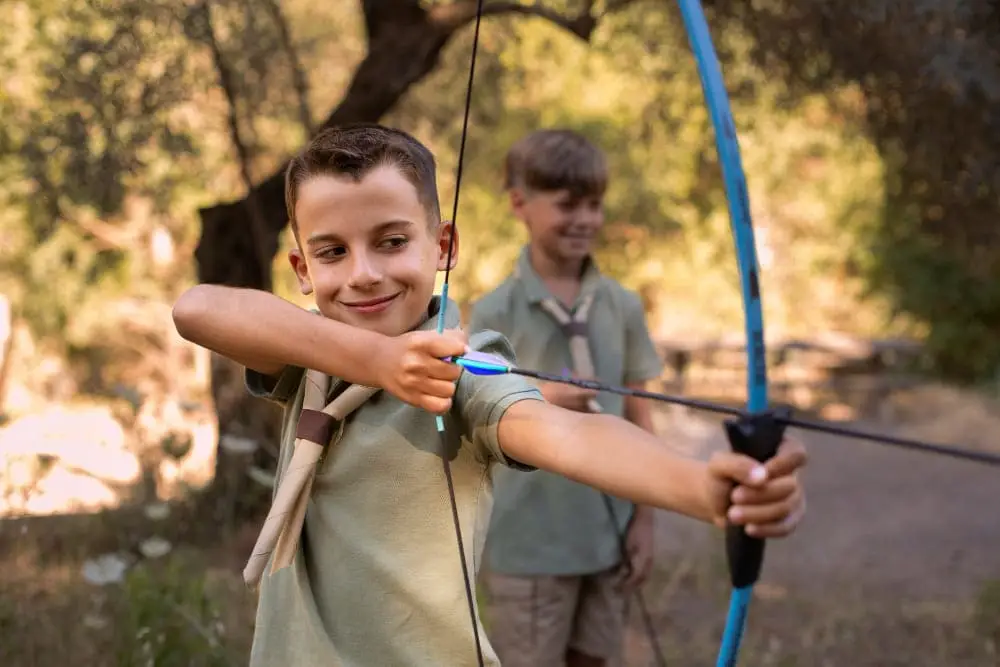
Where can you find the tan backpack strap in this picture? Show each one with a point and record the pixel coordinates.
(316, 427)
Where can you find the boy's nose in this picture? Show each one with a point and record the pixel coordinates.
(364, 274)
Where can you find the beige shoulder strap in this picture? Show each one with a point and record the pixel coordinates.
(574, 325)
(283, 525)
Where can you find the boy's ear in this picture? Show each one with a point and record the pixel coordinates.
(445, 231)
(298, 262)
(517, 200)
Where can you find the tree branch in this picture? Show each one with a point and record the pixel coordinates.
(107, 236)
(452, 16)
(257, 225)
(380, 13)
(298, 73)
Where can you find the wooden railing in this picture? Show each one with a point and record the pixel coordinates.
(829, 373)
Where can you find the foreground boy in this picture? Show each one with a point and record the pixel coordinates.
(557, 581)
(373, 580)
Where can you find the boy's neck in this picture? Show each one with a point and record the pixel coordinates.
(549, 268)
(563, 279)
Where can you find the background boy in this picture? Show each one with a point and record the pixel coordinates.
(557, 581)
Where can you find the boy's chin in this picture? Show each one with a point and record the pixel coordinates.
(395, 321)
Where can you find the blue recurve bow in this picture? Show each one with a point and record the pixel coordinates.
(757, 433)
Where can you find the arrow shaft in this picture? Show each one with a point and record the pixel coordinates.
(967, 454)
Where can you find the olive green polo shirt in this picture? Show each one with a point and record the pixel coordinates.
(376, 581)
(543, 523)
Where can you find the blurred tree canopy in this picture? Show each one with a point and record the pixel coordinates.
(137, 133)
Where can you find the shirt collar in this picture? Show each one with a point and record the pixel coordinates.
(451, 317)
(535, 286)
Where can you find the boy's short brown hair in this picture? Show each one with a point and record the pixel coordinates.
(355, 150)
(557, 159)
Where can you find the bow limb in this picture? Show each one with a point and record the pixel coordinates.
(757, 434)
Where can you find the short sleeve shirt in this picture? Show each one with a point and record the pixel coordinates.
(544, 523)
(376, 579)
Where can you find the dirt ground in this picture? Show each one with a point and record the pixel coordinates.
(897, 564)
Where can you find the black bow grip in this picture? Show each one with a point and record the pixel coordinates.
(757, 436)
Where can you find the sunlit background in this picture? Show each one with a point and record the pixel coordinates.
(134, 471)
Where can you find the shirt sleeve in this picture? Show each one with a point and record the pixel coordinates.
(279, 388)
(482, 400)
(642, 361)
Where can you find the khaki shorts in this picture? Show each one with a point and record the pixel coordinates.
(533, 621)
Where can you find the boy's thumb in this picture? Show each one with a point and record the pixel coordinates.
(457, 335)
(738, 468)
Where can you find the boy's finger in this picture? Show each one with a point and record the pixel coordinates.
(790, 457)
(437, 388)
(436, 405)
(774, 491)
(763, 514)
(421, 369)
(442, 370)
(779, 528)
(458, 335)
(737, 468)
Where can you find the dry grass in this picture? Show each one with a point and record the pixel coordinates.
(190, 608)
(939, 413)
(840, 627)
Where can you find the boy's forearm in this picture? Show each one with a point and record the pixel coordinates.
(607, 453)
(639, 412)
(266, 333)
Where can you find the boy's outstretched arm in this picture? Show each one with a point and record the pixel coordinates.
(264, 332)
(620, 458)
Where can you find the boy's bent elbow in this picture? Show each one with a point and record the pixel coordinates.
(191, 310)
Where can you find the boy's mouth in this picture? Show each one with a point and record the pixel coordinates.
(574, 233)
(369, 306)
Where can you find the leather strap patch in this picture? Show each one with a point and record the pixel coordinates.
(315, 426)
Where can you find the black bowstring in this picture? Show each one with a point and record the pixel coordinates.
(640, 600)
(469, 593)
(987, 458)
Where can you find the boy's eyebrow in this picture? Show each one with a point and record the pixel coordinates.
(381, 228)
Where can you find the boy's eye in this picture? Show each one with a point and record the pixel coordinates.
(332, 252)
(394, 242)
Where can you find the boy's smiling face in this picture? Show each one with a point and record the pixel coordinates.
(562, 225)
(368, 249)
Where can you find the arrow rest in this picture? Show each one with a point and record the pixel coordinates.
(757, 436)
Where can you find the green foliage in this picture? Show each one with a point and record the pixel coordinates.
(112, 133)
(169, 620)
(929, 83)
(987, 613)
